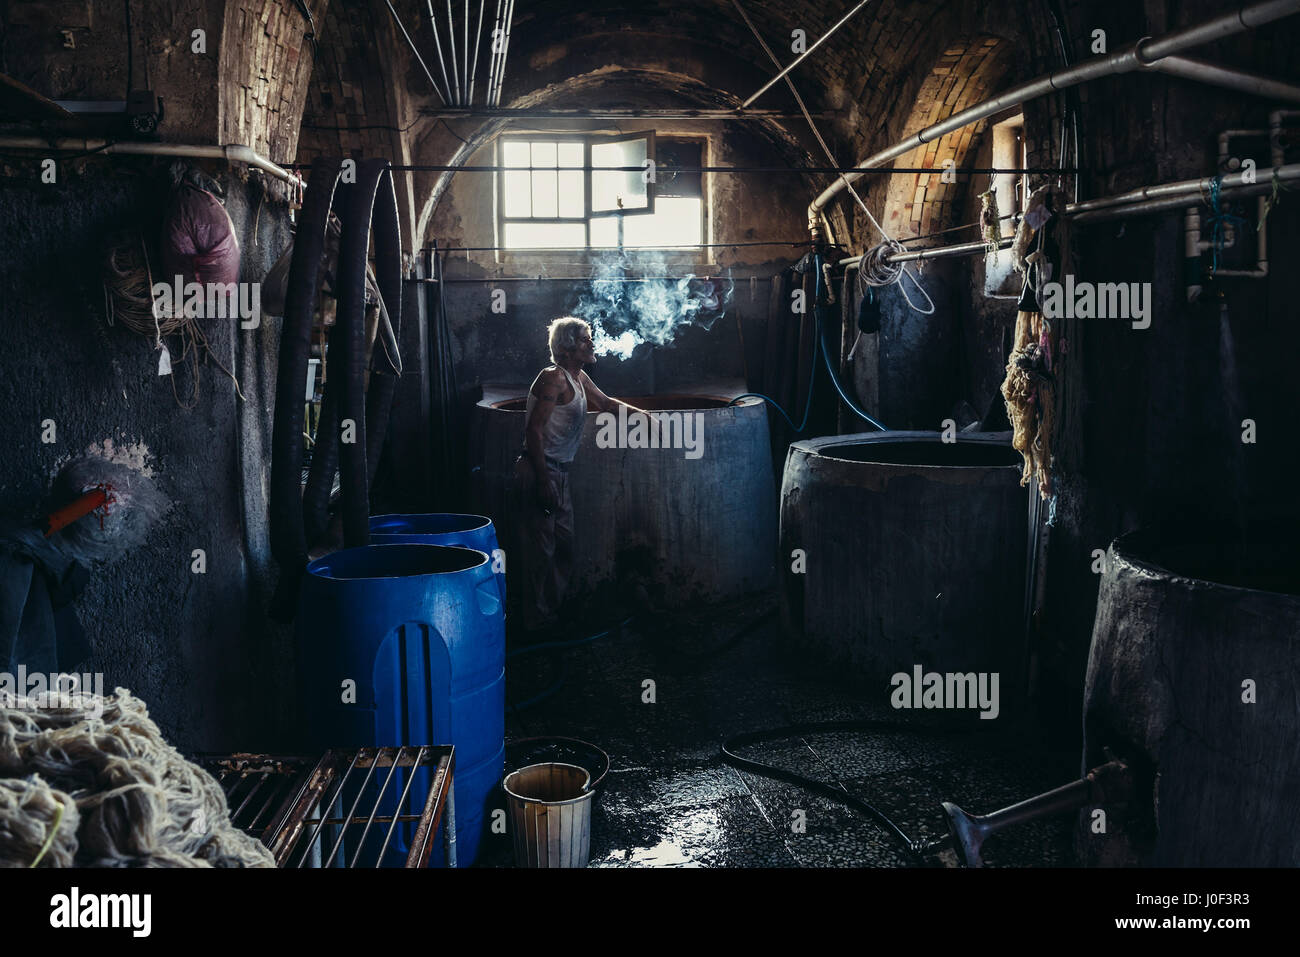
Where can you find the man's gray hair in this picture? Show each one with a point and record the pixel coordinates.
(563, 333)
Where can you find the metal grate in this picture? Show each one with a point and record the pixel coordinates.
(351, 808)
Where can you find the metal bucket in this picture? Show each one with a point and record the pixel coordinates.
(550, 815)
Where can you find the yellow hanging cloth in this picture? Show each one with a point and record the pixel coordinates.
(1030, 393)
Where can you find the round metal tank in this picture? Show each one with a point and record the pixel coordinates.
(1194, 678)
(420, 631)
(899, 550)
(687, 527)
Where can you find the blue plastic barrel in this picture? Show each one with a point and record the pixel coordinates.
(441, 528)
(420, 630)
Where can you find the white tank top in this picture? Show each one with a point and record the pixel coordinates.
(563, 431)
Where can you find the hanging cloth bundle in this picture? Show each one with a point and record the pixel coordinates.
(990, 222)
(1030, 392)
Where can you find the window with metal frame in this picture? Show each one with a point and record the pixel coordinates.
(579, 191)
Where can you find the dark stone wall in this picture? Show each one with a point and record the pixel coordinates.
(195, 647)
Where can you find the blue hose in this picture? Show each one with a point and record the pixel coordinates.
(819, 345)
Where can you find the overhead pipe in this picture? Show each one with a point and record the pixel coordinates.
(234, 153)
(478, 36)
(629, 114)
(451, 47)
(437, 45)
(1142, 54)
(1175, 195)
(493, 56)
(1242, 81)
(464, 83)
(1261, 211)
(1136, 202)
(505, 51)
(419, 59)
(807, 53)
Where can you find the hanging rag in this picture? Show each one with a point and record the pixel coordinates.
(1030, 393)
(1037, 213)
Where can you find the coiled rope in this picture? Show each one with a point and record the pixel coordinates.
(128, 297)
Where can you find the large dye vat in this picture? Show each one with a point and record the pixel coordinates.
(1194, 677)
(898, 549)
(685, 529)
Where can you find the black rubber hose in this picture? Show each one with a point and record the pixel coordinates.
(348, 359)
(324, 464)
(386, 367)
(288, 539)
(917, 849)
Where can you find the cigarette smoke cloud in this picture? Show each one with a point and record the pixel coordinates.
(624, 315)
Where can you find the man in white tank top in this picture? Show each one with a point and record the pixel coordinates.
(558, 403)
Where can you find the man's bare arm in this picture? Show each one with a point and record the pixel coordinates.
(546, 388)
(603, 403)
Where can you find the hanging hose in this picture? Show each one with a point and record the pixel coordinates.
(386, 358)
(288, 535)
(348, 361)
(807, 405)
(819, 344)
(324, 464)
(820, 330)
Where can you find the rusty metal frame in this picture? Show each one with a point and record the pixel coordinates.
(310, 791)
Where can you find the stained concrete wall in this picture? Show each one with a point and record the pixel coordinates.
(194, 646)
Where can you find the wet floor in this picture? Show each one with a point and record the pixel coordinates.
(661, 695)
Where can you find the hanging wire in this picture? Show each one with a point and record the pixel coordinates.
(831, 157)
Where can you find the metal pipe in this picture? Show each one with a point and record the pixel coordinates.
(947, 252)
(478, 36)
(437, 45)
(494, 54)
(1184, 188)
(1240, 80)
(1232, 184)
(1136, 202)
(551, 114)
(411, 44)
(1275, 121)
(807, 53)
(233, 153)
(451, 47)
(505, 51)
(1110, 782)
(1135, 56)
(465, 81)
(1261, 211)
(497, 168)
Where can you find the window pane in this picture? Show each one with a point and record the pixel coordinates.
(518, 197)
(676, 221)
(543, 154)
(571, 197)
(618, 190)
(514, 152)
(544, 193)
(570, 154)
(604, 231)
(545, 235)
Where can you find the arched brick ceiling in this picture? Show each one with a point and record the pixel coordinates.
(920, 203)
(866, 78)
